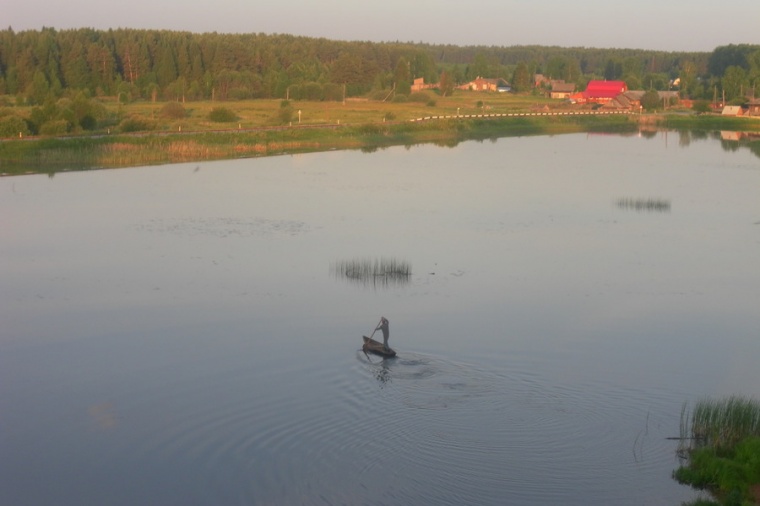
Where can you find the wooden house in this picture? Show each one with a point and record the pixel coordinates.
(732, 110)
(419, 84)
(631, 100)
(753, 108)
(628, 101)
(483, 84)
(562, 90)
(603, 91)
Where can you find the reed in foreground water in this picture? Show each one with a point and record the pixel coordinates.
(720, 444)
(721, 423)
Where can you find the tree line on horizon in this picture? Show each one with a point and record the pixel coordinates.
(135, 64)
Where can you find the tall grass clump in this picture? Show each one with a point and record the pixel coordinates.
(378, 272)
(720, 440)
(642, 205)
(722, 423)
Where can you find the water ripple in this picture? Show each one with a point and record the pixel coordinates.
(391, 430)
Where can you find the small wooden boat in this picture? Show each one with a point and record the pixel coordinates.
(372, 346)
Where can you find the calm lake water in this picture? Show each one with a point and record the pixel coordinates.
(181, 334)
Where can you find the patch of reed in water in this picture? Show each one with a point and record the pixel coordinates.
(644, 205)
(719, 446)
(382, 272)
(720, 423)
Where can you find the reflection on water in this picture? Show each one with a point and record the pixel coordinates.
(381, 368)
(377, 273)
(729, 140)
(644, 205)
(738, 136)
(103, 415)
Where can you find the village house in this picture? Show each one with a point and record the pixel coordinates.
(483, 84)
(753, 108)
(631, 100)
(600, 92)
(562, 90)
(419, 85)
(628, 101)
(732, 110)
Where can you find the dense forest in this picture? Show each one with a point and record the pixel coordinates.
(158, 64)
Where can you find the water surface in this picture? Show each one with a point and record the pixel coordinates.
(178, 335)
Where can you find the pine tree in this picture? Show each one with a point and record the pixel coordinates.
(521, 80)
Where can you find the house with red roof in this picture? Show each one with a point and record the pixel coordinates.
(603, 91)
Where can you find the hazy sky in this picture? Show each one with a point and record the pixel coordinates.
(671, 25)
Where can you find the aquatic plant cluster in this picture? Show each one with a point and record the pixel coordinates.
(720, 440)
(721, 423)
(382, 272)
(641, 205)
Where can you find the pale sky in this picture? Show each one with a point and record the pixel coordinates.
(669, 25)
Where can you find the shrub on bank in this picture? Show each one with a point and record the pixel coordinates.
(136, 124)
(173, 110)
(12, 126)
(701, 106)
(286, 112)
(222, 115)
(55, 127)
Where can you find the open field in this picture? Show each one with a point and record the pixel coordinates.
(262, 113)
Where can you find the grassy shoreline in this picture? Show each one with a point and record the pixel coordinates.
(53, 154)
(720, 448)
(41, 155)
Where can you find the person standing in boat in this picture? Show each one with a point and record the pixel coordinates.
(383, 325)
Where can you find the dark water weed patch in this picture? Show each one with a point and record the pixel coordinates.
(379, 272)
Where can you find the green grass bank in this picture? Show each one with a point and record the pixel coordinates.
(720, 445)
(114, 150)
(45, 155)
